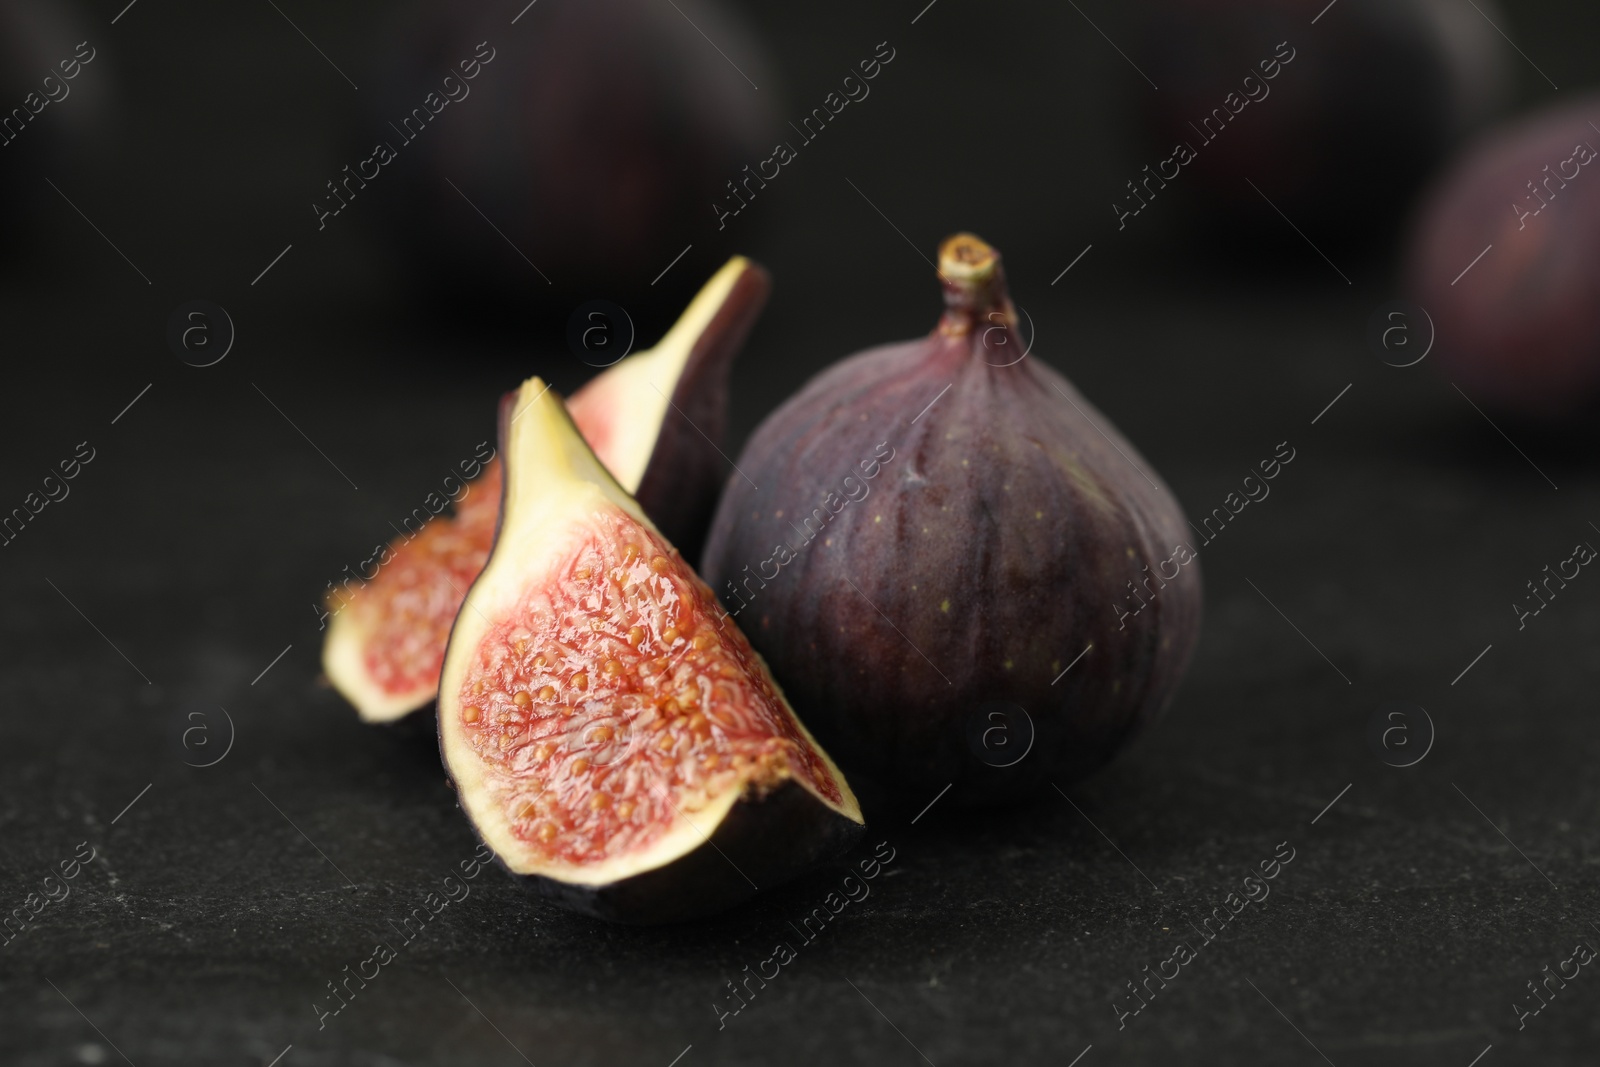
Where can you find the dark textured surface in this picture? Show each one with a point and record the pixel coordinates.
(205, 527)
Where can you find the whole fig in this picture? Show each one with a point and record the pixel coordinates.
(956, 567)
(1338, 120)
(589, 139)
(1506, 260)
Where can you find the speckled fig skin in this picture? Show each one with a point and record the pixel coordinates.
(1520, 330)
(994, 544)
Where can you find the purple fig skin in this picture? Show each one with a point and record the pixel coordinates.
(1520, 330)
(993, 546)
(680, 484)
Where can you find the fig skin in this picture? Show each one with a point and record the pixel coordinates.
(1377, 94)
(772, 839)
(680, 485)
(1520, 330)
(991, 549)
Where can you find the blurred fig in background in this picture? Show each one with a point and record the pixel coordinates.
(590, 138)
(1338, 123)
(52, 101)
(1505, 258)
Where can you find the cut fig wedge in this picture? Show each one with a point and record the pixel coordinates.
(655, 419)
(610, 732)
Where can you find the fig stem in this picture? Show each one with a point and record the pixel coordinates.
(974, 286)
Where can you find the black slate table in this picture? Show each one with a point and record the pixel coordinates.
(161, 617)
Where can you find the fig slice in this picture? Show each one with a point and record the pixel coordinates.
(610, 732)
(654, 419)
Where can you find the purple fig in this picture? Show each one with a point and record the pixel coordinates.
(926, 539)
(1337, 121)
(1506, 261)
(590, 140)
